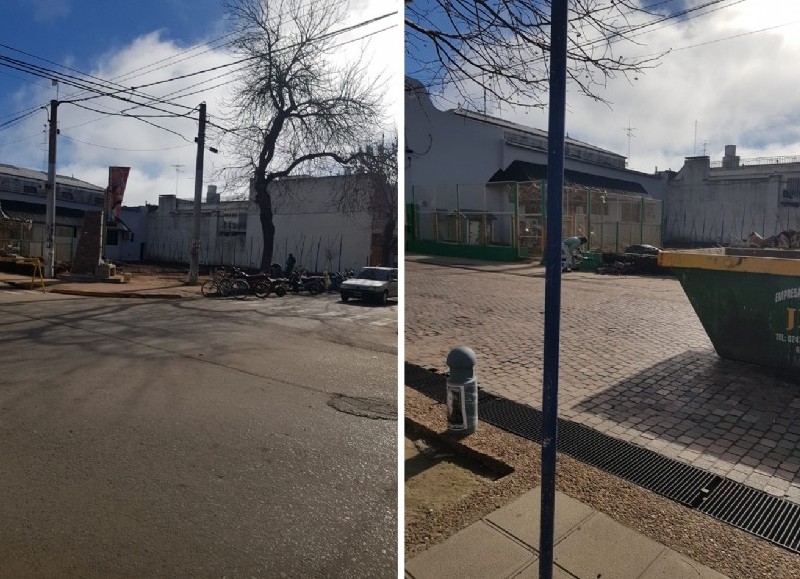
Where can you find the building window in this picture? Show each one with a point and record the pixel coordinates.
(791, 192)
(29, 189)
(112, 237)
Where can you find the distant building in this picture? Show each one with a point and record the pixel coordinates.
(475, 186)
(307, 221)
(724, 201)
(23, 196)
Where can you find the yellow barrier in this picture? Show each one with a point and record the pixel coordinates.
(33, 261)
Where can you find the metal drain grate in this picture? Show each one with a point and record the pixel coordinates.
(756, 512)
(520, 419)
(428, 383)
(751, 510)
(675, 480)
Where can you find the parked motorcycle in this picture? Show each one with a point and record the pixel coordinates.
(336, 280)
(300, 282)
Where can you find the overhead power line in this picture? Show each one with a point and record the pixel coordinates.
(124, 149)
(632, 32)
(99, 90)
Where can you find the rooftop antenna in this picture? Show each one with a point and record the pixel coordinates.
(178, 171)
(629, 130)
(704, 141)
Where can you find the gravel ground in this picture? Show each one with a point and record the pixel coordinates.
(702, 538)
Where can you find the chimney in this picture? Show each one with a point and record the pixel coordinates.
(730, 160)
(211, 195)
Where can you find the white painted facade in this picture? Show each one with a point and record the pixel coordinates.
(307, 224)
(458, 147)
(717, 205)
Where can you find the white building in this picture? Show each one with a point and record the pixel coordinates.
(475, 186)
(460, 147)
(724, 201)
(307, 224)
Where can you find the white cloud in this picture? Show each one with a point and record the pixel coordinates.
(90, 142)
(741, 91)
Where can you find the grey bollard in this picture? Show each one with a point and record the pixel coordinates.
(462, 391)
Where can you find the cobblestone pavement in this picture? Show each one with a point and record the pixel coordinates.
(636, 364)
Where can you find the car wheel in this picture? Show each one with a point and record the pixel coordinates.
(384, 298)
(345, 297)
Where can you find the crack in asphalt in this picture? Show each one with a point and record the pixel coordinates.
(372, 408)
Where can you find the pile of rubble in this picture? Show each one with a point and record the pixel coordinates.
(637, 260)
(784, 240)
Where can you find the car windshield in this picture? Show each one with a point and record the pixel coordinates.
(372, 273)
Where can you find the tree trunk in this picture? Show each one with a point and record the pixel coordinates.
(267, 234)
(388, 240)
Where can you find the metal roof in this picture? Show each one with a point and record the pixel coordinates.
(523, 172)
(35, 175)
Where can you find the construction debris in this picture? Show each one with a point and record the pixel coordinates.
(784, 240)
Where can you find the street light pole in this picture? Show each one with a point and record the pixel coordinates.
(194, 251)
(50, 190)
(552, 295)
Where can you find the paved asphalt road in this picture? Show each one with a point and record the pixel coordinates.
(197, 437)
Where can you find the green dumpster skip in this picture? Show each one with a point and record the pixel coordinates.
(590, 262)
(748, 300)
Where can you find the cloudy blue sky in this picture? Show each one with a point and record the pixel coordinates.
(728, 78)
(134, 42)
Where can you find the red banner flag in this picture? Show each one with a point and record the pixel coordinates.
(117, 179)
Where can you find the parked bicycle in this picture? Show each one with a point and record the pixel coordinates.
(235, 282)
(226, 287)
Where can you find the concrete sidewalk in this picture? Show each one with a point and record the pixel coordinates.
(139, 286)
(588, 544)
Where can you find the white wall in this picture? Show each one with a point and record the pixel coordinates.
(706, 205)
(449, 149)
(306, 224)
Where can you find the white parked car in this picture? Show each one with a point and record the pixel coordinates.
(371, 283)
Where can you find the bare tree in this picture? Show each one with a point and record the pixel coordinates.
(296, 107)
(498, 49)
(374, 191)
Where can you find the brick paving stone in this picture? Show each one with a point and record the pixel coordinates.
(635, 363)
(777, 490)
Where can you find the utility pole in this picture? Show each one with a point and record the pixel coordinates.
(50, 190)
(194, 250)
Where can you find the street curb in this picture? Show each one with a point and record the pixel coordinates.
(70, 292)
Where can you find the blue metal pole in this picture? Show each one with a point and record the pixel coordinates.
(552, 313)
